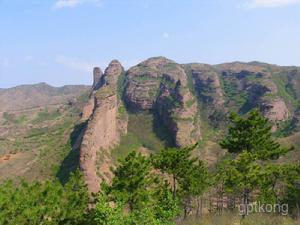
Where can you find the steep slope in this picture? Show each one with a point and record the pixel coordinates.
(168, 104)
(104, 129)
(161, 85)
(240, 87)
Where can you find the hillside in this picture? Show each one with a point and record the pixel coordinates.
(160, 103)
(36, 124)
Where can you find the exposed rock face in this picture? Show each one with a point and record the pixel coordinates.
(98, 74)
(179, 95)
(88, 108)
(97, 83)
(276, 110)
(112, 73)
(103, 131)
(207, 85)
(160, 84)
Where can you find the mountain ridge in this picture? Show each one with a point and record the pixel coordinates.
(155, 104)
(191, 101)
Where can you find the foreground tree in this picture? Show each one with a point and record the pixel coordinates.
(136, 196)
(250, 139)
(44, 203)
(175, 162)
(193, 184)
(189, 175)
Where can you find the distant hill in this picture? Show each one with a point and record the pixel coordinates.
(42, 94)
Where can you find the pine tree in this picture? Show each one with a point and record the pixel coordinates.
(252, 133)
(137, 189)
(250, 139)
(44, 203)
(193, 184)
(132, 181)
(175, 162)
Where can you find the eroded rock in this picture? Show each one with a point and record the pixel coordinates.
(103, 131)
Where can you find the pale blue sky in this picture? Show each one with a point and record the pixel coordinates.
(59, 41)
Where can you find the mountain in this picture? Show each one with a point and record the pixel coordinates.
(47, 131)
(42, 94)
(160, 103)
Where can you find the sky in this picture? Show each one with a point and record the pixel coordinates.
(60, 41)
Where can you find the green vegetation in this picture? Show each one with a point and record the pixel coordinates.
(46, 115)
(235, 98)
(120, 85)
(44, 203)
(122, 112)
(84, 97)
(190, 103)
(128, 143)
(145, 78)
(166, 186)
(10, 118)
(230, 218)
(143, 131)
(189, 175)
(170, 84)
(286, 128)
(37, 148)
(252, 168)
(136, 189)
(281, 82)
(149, 197)
(190, 81)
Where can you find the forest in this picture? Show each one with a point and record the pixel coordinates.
(172, 186)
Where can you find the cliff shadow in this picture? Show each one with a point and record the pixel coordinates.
(162, 131)
(71, 162)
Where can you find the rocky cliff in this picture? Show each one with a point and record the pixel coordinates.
(161, 85)
(104, 128)
(189, 100)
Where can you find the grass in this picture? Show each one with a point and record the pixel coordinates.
(122, 112)
(236, 99)
(143, 131)
(231, 218)
(10, 118)
(190, 103)
(120, 84)
(283, 92)
(41, 142)
(46, 115)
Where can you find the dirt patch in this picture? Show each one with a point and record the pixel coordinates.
(9, 157)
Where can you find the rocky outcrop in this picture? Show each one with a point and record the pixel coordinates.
(103, 131)
(161, 85)
(179, 96)
(98, 78)
(88, 109)
(207, 84)
(275, 110)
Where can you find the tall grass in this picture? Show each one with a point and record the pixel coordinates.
(230, 218)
